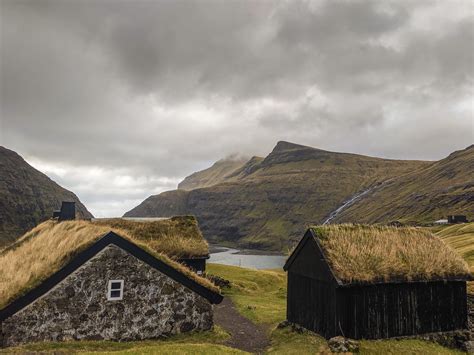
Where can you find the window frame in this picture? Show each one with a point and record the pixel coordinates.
(109, 290)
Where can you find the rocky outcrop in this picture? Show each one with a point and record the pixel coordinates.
(153, 305)
(27, 197)
(340, 344)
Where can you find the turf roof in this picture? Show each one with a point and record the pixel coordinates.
(51, 245)
(177, 237)
(367, 254)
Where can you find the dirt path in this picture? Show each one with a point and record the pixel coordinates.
(245, 335)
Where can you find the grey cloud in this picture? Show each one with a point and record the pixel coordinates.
(159, 89)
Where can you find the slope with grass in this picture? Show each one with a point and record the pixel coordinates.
(461, 238)
(267, 203)
(217, 173)
(424, 195)
(27, 197)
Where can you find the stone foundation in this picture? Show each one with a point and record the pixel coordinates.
(153, 305)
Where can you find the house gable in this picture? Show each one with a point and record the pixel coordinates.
(308, 260)
(152, 304)
(84, 256)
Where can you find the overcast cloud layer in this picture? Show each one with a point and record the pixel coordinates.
(118, 100)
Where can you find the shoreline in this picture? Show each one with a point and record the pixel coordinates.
(213, 249)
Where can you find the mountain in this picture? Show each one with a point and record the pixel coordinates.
(216, 174)
(424, 195)
(267, 203)
(27, 197)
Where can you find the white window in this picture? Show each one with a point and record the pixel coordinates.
(115, 290)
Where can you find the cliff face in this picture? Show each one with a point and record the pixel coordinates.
(267, 203)
(27, 197)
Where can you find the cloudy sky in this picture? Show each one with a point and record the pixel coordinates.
(117, 100)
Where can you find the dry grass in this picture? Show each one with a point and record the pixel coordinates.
(53, 245)
(176, 236)
(361, 253)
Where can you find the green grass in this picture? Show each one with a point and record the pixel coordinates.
(405, 347)
(460, 237)
(192, 343)
(285, 341)
(258, 295)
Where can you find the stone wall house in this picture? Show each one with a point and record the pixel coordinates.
(113, 290)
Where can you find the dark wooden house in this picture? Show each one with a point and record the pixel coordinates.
(375, 282)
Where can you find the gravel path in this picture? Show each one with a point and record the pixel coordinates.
(245, 335)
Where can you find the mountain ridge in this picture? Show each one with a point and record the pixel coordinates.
(269, 205)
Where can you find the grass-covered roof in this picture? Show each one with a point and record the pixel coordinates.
(363, 253)
(177, 237)
(51, 245)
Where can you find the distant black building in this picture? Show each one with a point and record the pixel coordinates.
(321, 301)
(67, 212)
(457, 219)
(198, 263)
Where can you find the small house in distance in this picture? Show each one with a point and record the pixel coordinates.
(79, 280)
(67, 211)
(457, 219)
(375, 282)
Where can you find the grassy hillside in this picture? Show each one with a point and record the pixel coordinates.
(461, 238)
(217, 173)
(267, 203)
(424, 195)
(27, 197)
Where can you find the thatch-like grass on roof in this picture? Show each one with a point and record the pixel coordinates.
(176, 237)
(361, 253)
(51, 245)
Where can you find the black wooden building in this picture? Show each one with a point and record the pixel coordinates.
(320, 301)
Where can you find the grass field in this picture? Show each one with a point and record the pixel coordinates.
(461, 238)
(195, 343)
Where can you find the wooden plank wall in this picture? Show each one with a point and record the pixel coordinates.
(376, 311)
(388, 310)
(311, 304)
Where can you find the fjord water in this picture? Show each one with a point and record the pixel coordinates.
(228, 256)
